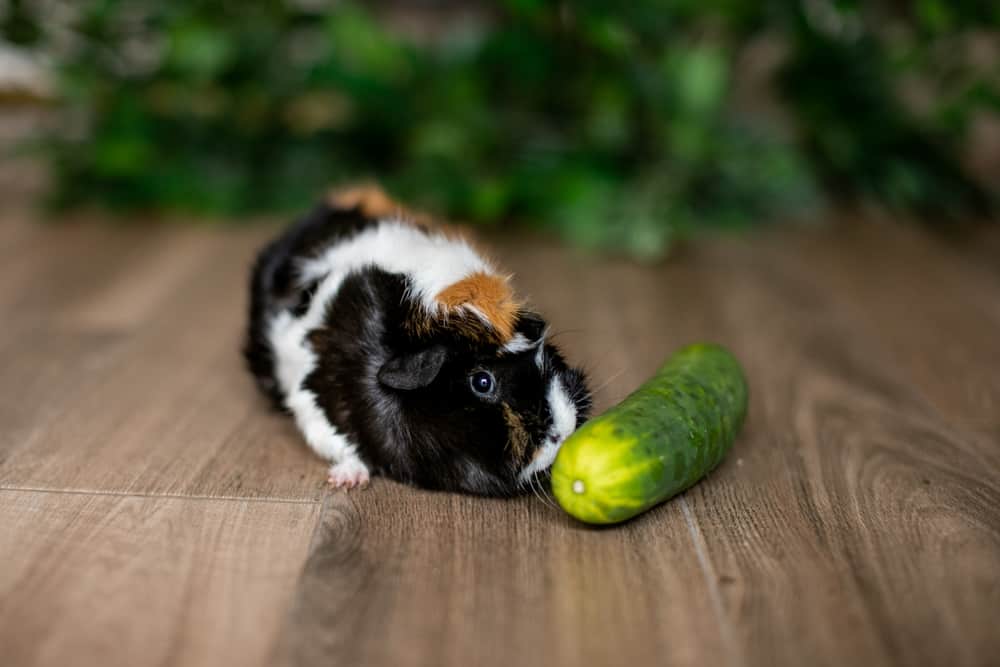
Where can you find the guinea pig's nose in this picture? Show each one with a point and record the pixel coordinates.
(531, 325)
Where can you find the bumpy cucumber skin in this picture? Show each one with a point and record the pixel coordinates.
(659, 441)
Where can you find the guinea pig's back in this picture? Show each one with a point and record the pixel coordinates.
(275, 284)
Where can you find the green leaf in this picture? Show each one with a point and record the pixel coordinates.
(701, 80)
(198, 49)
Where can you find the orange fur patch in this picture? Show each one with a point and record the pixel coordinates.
(370, 199)
(374, 203)
(490, 295)
(519, 437)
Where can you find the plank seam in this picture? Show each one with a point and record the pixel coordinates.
(316, 536)
(175, 496)
(274, 650)
(711, 581)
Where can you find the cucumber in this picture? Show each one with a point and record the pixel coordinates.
(659, 441)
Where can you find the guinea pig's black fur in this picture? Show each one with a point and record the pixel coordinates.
(394, 361)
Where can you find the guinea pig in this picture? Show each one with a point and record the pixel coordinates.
(400, 350)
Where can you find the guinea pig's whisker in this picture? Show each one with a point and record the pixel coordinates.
(538, 492)
(554, 334)
(534, 488)
(542, 492)
(608, 381)
(547, 492)
(531, 486)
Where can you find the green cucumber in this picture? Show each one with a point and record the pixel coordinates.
(659, 441)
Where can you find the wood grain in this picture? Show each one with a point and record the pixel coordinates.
(404, 577)
(861, 528)
(120, 580)
(977, 244)
(129, 379)
(932, 314)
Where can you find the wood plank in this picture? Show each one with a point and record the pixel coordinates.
(120, 580)
(933, 315)
(137, 385)
(860, 528)
(977, 243)
(45, 267)
(16, 230)
(161, 262)
(404, 577)
(44, 300)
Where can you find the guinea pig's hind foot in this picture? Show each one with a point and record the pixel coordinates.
(348, 474)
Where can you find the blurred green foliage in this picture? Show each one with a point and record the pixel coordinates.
(616, 124)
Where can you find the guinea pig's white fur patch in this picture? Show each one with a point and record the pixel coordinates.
(520, 343)
(294, 361)
(564, 416)
(431, 260)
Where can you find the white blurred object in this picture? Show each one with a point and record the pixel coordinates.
(24, 76)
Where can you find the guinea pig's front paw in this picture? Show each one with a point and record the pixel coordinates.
(348, 474)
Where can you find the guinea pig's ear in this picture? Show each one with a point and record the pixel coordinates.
(413, 370)
(531, 325)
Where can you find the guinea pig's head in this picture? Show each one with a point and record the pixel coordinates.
(478, 416)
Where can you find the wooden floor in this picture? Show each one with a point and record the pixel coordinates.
(154, 512)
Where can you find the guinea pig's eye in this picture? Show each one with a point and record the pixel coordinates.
(482, 383)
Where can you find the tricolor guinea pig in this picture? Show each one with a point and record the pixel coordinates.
(400, 350)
